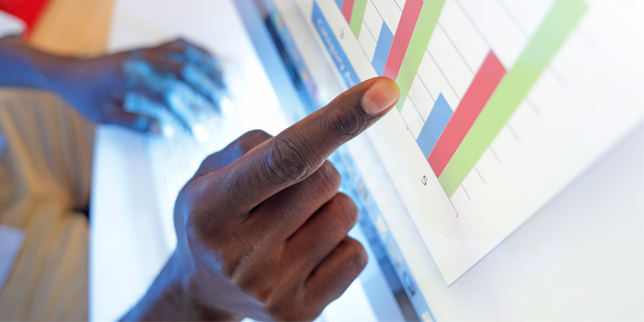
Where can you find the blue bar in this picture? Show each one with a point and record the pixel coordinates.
(382, 49)
(339, 3)
(333, 46)
(436, 122)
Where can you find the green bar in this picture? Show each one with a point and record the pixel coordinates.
(357, 16)
(514, 87)
(427, 21)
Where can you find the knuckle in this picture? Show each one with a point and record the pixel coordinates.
(357, 257)
(327, 178)
(233, 151)
(250, 140)
(286, 161)
(347, 121)
(345, 211)
(210, 160)
(213, 162)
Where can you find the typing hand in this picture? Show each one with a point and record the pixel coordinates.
(162, 75)
(261, 227)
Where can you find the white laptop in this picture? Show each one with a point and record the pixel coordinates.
(507, 185)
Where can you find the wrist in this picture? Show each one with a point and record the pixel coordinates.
(56, 72)
(24, 66)
(168, 299)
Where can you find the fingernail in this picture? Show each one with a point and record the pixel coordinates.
(380, 96)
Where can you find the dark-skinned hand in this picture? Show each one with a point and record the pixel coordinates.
(261, 227)
(97, 87)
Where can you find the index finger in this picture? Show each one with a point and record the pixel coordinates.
(300, 150)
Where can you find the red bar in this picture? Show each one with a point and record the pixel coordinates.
(347, 9)
(480, 91)
(410, 14)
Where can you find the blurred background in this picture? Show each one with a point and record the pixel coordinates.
(69, 27)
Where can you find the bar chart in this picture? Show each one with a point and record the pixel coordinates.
(495, 116)
(452, 148)
(398, 56)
